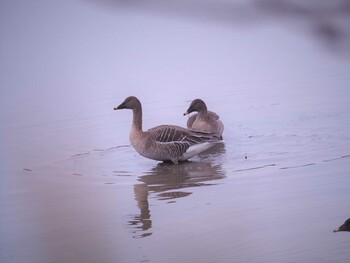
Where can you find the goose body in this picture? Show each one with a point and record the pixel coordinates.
(165, 142)
(204, 120)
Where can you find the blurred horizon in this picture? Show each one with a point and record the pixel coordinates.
(327, 21)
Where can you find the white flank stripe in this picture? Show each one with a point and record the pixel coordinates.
(196, 149)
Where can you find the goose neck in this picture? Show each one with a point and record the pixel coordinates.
(137, 119)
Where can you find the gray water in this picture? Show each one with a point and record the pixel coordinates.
(74, 190)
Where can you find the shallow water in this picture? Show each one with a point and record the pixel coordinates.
(74, 190)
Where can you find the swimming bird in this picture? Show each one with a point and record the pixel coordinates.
(165, 142)
(204, 120)
(344, 227)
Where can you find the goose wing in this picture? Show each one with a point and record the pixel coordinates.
(172, 139)
(213, 115)
(168, 133)
(176, 134)
(177, 139)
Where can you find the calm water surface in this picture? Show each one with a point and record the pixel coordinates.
(74, 190)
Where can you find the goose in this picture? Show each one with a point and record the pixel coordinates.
(204, 120)
(344, 227)
(165, 142)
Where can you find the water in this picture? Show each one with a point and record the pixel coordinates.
(72, 187)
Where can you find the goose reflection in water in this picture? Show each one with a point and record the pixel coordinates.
(167, 182)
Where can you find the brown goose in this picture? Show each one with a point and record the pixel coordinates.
(204, 120)
(165, 142)
(344, 227)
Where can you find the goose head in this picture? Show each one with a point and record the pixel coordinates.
(344, 227)
(129, 103)
(196, 105)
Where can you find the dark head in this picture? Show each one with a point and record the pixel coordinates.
(344, 227)
(196, 105)
(129, 103)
